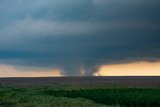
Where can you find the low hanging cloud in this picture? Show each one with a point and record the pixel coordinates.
(77, 37)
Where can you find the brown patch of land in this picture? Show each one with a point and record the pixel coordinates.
(149, 81)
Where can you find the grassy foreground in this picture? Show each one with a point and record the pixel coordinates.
(50, 96)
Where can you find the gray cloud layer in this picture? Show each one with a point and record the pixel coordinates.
(74, 35)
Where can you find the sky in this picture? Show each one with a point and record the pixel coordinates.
(79, 37)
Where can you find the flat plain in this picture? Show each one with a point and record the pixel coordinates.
(126, 81)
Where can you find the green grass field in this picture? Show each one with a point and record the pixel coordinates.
(70, 96)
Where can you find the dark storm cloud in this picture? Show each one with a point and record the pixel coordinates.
(75, 35)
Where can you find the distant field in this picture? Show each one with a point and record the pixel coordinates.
(80, 92)
(85, 81)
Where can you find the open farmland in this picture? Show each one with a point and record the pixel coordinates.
(85, 81)
(80, 92)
